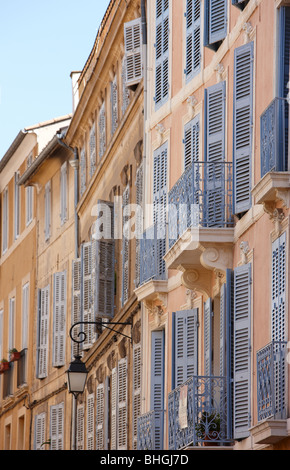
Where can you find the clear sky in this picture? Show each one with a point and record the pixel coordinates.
(41, 43)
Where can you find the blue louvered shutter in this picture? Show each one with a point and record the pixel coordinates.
(279, 289)
(193, 38)
(215, 27)
(242, 350)
(162, 53)
(208, 314)
(157, 384)
(243, 122)
(184, 345)
(283, 71)
(215, 109)
(133, 52)
(125, 248)
(191, 142)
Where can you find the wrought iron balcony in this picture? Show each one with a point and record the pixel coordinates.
(271, 381)
(198, 413)
(152, 250)
(273, 134)
(150, 431)
(201, 197)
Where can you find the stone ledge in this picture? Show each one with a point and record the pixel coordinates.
(270, 431)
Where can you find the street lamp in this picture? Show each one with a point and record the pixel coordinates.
(77, 375)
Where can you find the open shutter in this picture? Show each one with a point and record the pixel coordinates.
(47, 210)
(162, 53)
(193, 38)
(100, 418)
(243, 122)
(160, 203)
(114, 398)
(39, 431)
(125, 249)
(43, 328)
(76, 301)
(191, 142)
(136, 390)
(92, 147)
(133, 51)
(59, 316)
(208, 314)
(242, 348)
(86, 294)
(90, 421)
(80, 431)
(63, 195)
(102, 130)
(114, 105)
(83, 171)
(157, 384)
(185, 345)
(139, 221)
(125, 89)
(215, 27)
(122, 404)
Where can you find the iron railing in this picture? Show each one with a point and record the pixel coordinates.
(152, 250)
(273, 135)
(202, 196)
(198, 413)
(271, 381)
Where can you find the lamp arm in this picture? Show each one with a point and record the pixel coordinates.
(99, 323)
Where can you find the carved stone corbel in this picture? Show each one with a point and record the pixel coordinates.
(197, 281)
(244, 247)
(217, 258)
(278, 217)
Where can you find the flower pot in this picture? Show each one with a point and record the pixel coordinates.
(15, 356)
(209, 440)
(4, 366)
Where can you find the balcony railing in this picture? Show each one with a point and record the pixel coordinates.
(152, 250)
(150, 431)
(201, 197)
(198, 413)
(271, 381)
(273, 133)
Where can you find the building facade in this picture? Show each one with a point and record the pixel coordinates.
(158, 248)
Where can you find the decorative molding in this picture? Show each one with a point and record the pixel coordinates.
(245, 249)
(220, 70)
(248, 30)
(218, 258)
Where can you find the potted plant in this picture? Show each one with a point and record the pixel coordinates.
(208, 428)
(14, 355)
(4, 365)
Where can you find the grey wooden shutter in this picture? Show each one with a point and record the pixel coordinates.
(243, 122)
(43, 329)
(193, 38)
(133, 51)
(16, 206)
(92, 148)
(208, 314)
(5, 220)
(185, 345)
(114, 105)
(139, 221)
(90, 426)
(83, 171)
(157, 384)
(100, 417)
(59, 317)
(162, 53)
(47, 210)
(242, 350)
(125, 89)
(102, 130)
(215, 26)
(39, 431)
(56, 426)
(114, 407)
(191, 142)
(136, 390)
(76, 301)
(63, 193)
(86, 294)
(122, 404)
(279, 289)
(80, 430)
(125, 249)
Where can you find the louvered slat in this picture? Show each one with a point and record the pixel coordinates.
(162, 53)
(157, 384)
(185, 344)
(193, 38)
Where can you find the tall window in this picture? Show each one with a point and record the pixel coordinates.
(16, 206)
(162, 53)
(47, 210)
(114, 105)
(59, 318)
(193, 38)
(215, 22)
(63, 193)
(11, 334)
(5, 220)
(102, 130)
(43, 327)
(29, 197)
(25, 313)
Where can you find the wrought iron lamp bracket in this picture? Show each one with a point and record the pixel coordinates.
(82, 334)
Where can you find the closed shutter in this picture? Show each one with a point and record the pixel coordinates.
(139, 221)
(283, 73)
(25, 315)
(59, 317)
(102, 131)
(157, 384)
(90, 421)
(5, 220)
(185, 345)
(160, 203)
(162, 53)
(122, 404)
(208, 314)
(43, 329)
(16, 206)
(39, 431)
(56, 427)
(83, 171)
(114, 403)
(86, 294)
(63, 195)
(92, 147)
(215, 28)
(133, 51)
(125, 89)
(243, 122)
(114, 105)
(100, 417)
(47, 210)
(279, 289)
(136, 390)
(191, 142)
(242, 349)
(76, 302)
(80, 431)
(125, 248)
(193, 38)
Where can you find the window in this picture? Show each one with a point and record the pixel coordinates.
(157, 384)
(39, 431)
(162, 53)
(125, 248)
(122, 404)
(279, 289)
(136, 390)
(114, 105)
(25, 314)
(43, 329)
(185, 345)
(83, 171)
(47, 211)
(102, 131)
(63, 193)
(80, 429)
(139, 221)
(16, 206)
(11, 337)
(90, 421)
(100, 434)
(133, 52)
(191, 142)
(76, 300)
(193, 38)
(57, 427)
(5, 221)
(283, 70)
(87, 301)
(125, 89)
(243, 121)
(59, 317)
(29, 196)
(92, 147)
(215, 26)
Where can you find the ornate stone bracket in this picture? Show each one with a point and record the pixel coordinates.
(217, 258)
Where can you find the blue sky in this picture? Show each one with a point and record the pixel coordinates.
(41, 43)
